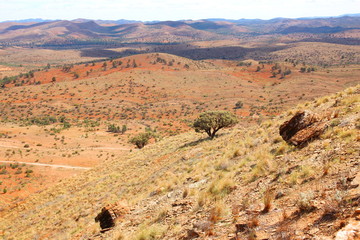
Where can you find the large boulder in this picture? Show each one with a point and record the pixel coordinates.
(111, 213)
(303, 127)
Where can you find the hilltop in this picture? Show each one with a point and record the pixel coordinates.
(195, 186)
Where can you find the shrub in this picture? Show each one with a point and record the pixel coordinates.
(305, 202)
(42, 121)
(221, 187)
(123, 129)
(238, 104)
(141, 139)
(113, 128)
(268, 198)
(212, 121)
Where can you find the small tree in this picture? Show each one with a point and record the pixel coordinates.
(123, 129)
(141, 139)
(104, 66)
(212, 121)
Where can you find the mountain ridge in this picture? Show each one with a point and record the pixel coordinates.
(153, 21)
(83, 33)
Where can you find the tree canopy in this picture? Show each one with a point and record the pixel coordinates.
(212, 121)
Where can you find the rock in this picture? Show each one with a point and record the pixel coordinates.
(357, 211)
(180, 203)
(191, 234)
(203, 226)
(241, 227)
(300, 121)
(313, 231)
(198, 184)
(354, 188)
(308, 133)
(279, 194)
(110, 213)
(349, 232)
(303, 127)
(355, 182)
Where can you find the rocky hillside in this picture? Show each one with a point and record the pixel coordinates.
(247, 183)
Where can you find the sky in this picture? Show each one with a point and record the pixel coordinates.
(146, 10)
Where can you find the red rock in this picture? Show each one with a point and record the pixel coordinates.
(349, 232)
(303, 127)
(110, 213)
(298, 122)
(308, 133)
(191, 234)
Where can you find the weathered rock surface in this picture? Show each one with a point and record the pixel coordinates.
(303, 127)
(308, 133)
(110, 213)
(349, 232)
(191, 234)
(354, 188)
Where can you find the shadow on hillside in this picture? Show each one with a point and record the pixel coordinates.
(194, 143)
(229, 53)
(104, 53)
(188, 51)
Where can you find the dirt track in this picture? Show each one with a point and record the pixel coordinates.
(48, 165)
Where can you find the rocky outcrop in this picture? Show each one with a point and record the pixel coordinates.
(303, 127)
(354, 189)
(350, 231)
(111, 213)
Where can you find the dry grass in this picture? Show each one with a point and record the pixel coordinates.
(166, 165)
(221, 186)
(268, 199)
(154, 231)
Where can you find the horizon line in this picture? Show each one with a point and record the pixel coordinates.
(214, 18)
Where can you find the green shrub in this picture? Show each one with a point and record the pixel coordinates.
(141, 139)
(212, 121)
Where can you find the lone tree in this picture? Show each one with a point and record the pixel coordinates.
(212, 121)
(141, 139)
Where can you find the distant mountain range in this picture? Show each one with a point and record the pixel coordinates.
(84, 32)
(125, 21)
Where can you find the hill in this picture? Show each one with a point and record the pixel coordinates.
(89, 33)
(74, 93)
(166, 87)
(60, 115)
(199, 187)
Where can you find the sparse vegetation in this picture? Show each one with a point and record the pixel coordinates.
(182, 186)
